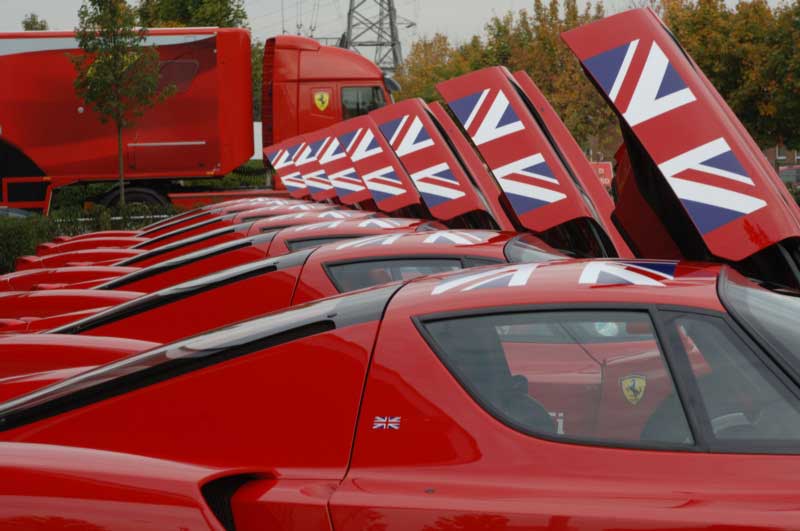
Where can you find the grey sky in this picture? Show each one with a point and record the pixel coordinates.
(458, 19)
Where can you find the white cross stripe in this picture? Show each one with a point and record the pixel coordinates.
(591, 273)
(399, 128)
(407, 144)
(475, 109)
(329, 152)
(361, 151)
(518, 275)
(644, 103)
(371, 180)
(694, 158)
(452, 236)
(381, 223)
(518, 166)
(346, 180)
(370, 240)
(422, 180)
(488, 129)
(623, 71)
(320, 225)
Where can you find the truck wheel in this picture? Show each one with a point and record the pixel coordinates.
(145, 196)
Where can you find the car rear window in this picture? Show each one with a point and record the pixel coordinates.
(581, 376)
(358, 275)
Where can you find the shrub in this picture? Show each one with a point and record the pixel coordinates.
(20, 236)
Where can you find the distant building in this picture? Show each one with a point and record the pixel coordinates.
(786, 162)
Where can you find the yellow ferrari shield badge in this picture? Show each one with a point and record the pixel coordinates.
(633, 387)
(322, 98)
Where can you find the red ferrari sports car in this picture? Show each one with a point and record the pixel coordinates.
(182, 310)
(510, 396)
(208, 245)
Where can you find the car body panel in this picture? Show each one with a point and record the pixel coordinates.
(483, 180)
(88, 243)
(281, 157)
(387, 181)
(347, 184)
(28, 280)
(312, 173)
(702, 154)
(16, 304)
(572, 157)
(522, 160)
(436, 173)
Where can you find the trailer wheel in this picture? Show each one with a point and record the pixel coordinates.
(145, 196)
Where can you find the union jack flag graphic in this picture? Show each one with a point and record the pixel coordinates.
(346, 182)
(486, 115)
(315, 226)
(386, 423)
(405, 141)
(384, 183)
(341, 173)
(640, 96)
(712, 185)
(505, 277)
(638, 273)
(437, 184)
(458, 237)
(360, 144)
(528, 183)
(338, 214)
(370, 241)
(283, 162)
(314, 177)
(383, 223)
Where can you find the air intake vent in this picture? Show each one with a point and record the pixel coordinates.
(218, 494)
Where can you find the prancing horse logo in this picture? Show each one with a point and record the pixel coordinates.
(322, 98)
(633, 387)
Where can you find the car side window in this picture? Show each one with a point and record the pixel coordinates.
(744, 400)
(361, 100)
(358, 275)
(582, 376)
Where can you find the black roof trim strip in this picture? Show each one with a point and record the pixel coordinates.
(198, 352)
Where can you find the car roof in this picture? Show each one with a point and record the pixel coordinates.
(475, 243)
(645, 282)
(346, 227)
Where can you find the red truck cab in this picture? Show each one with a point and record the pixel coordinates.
(324, 84)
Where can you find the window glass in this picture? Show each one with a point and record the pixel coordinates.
(774, 315)
(361, 100)
(296, 245)
(593, 376)
(743, 399)
(358, 275)
(528, 248)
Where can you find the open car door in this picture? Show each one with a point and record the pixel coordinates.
(375, 162)
(281, 156)
(307, 163)
(687, 162)
(544, 195)
(439, 177)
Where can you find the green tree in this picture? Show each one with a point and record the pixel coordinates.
(257, 64)
(32, 22)
(117, 75)
(222, 13)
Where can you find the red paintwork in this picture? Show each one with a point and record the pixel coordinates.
(47, 355)
(435, 171)
(484, 182)
(341, 173)
(377, 166)
(667, 132)
(288, 286)
(16, 304)
(308, 164)
(272, 211)
(44, 249)
(506, 146)
(125, 492)
(281, 157)
(88, 256)
(297, 67)
(30, 279)
(576, 161)
(214, 125)
(472, 472)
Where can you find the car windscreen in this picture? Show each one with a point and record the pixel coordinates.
(773, 314)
